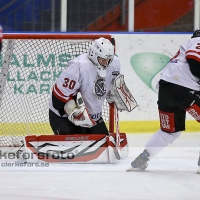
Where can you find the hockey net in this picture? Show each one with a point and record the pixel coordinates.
(30, 65)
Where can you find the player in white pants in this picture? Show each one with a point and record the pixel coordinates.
(179, 92)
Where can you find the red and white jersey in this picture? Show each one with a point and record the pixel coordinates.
(81, 75)
(177, 71)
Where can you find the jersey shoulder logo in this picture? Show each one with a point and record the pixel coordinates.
(99, 87)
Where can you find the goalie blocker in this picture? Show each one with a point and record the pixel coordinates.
(77, 148)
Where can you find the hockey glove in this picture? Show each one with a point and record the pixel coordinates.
(78, 114)
(120, 95)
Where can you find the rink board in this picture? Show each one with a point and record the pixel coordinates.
(125, 126)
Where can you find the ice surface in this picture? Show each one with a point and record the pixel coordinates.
(171, 175)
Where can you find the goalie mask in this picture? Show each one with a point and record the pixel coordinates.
(101, 53)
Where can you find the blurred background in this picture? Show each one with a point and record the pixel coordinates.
(99, 15)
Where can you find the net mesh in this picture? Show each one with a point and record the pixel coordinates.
(34, 68)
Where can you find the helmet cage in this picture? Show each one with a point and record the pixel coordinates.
(104, 62)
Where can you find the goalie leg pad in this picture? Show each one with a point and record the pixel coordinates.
(77, 148)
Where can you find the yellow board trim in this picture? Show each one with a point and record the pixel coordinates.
(21, 129)
(43, 128)
(153, 126)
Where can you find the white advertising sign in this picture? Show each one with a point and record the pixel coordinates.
(143, 57)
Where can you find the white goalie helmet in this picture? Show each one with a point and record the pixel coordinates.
(101, 53)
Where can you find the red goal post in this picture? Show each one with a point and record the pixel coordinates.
(30, 65)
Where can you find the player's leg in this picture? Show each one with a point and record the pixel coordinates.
(172, 122)
(192, 105)
(156, 143)
(172, 117)
(159, 141)
(62, 126)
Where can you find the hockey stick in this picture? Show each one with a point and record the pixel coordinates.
(118, 149)
(5, 67)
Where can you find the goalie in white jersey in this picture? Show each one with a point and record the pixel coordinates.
(179, 92)
(89, 75)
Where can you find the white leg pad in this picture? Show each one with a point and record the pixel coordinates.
(159, 141)
(76, 148)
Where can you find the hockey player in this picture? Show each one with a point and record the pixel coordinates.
(179, 91)
(78, 94)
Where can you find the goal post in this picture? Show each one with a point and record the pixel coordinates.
(36, 61)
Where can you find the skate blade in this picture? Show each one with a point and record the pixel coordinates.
(131, 169)
(198, 170)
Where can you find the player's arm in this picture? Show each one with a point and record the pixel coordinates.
(192, 54)
(59, 104)
(194, 66)
(66, 100)
(77, 112)
(66, 87)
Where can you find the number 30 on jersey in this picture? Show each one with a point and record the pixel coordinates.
(69, 83)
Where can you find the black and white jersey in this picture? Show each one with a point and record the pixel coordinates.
(179, 70)
(81, 76)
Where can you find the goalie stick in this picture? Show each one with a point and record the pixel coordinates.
(118, 147)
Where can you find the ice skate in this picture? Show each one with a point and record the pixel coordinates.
(140, 163)
(198, 170)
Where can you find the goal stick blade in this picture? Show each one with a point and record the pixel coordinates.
(112, 153)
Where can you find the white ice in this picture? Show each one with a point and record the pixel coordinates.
(171, 175)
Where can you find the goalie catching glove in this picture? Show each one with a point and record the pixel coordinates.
(120, 95)
(77, 113)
